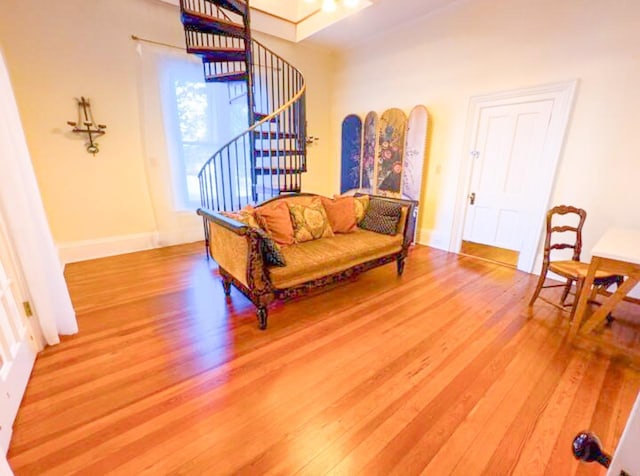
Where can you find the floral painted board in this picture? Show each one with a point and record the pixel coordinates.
(351, 166)
(391, 137)
(414, 153)
(369, 143)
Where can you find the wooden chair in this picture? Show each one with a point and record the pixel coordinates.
(573, 270)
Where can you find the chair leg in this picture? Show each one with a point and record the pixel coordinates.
(579, 284)
(400, 265)
(567, 289)
(536, 293)
(262, 314)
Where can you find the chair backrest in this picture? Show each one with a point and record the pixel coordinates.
(551, 229)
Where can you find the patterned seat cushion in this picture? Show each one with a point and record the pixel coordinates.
(318, 258)
(575, 269)
(382, 217)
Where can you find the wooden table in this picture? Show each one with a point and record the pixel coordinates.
(617, 252)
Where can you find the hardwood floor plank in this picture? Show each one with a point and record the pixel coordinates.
(435, 423)
(355, 408)
(518, 432)
(371, 438)
(412, 311)
(311, 374)
(541, 442)
(515, 383)
(431, 439)
(377, 375)
(579, 416)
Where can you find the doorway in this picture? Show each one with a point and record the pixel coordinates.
(514, 141)
(494, 254)
(17, 344)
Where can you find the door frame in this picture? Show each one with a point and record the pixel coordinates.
(563, 95)
(15, 377)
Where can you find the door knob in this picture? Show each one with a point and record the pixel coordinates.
(472, 198)
(586, 447)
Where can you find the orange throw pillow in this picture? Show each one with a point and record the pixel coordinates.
(276, 221)
(341, 213)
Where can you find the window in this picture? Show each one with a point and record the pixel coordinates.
(200, 118)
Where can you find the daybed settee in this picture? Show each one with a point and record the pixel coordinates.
(317, 254)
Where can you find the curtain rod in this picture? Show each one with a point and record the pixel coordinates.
(159, 43)
(144, 40)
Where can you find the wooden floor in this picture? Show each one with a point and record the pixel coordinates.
(491, 253)
(439, 372)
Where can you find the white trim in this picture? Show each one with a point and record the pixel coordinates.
(5, 469)
(15, 379)
(563, 95)
(73, 251)
(179, 237)
(626, 454)
(432, 239)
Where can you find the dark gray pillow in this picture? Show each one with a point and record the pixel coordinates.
(382, 217)
(271, 252)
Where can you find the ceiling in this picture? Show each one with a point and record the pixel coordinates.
(297, 20)
(293, 10)
(382, 16)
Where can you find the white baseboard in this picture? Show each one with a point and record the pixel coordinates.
(181, 236)
(73, 251)
(432, 239)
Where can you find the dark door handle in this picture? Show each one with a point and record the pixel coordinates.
(586, 447)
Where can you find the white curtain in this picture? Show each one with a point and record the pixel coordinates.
(159, 68)
(174, 223)
(23, 213)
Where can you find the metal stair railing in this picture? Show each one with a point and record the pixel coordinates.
(270, 156)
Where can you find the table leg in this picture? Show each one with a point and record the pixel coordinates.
(583, 298)
(609, 303)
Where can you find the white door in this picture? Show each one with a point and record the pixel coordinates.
(17, 349)
(507, 167)
(516, 138)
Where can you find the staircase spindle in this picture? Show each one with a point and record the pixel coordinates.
(270, 156)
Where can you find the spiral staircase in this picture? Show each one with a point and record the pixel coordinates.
(269, 158)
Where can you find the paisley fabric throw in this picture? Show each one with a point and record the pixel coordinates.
(246, 216)
(310, 222)
(271, 252)
(382, 217)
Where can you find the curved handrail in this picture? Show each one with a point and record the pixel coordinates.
(223, 178)
(269, 157)
(267, 119)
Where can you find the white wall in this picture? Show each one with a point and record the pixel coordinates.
(475, 47)
(60, 50)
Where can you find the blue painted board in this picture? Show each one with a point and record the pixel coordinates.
(351, 160)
